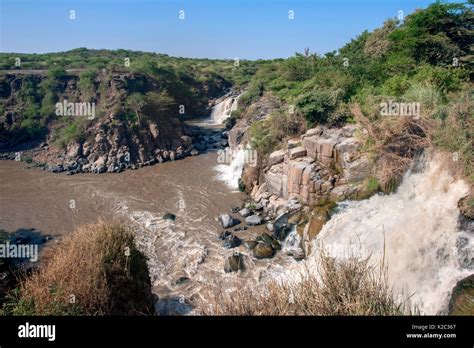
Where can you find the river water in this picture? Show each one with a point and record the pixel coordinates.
(184, 255)
(415, 230)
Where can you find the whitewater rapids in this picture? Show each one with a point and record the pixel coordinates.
(415, 232)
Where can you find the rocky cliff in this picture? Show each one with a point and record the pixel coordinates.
(114, 139)
(322, 165)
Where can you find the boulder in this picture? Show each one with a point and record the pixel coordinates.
(297, 152)
(276, 157)
(250, 244)
(231, 241)
(265, 238)
(228, 221)
(263, 251)
(99, 165)
(357, 170)
(244, 212)
(275, 245)
(297, 254)
(74, 150)
(292, 143)
(224, 235)
(345, 151)
(312, 145)
(234, 263)
(253, 220)
(154, 131)
(462, 297)
(186, 140)
(349, 130)
(326, 147)
(169, 216)
(281, 227)
(317, 131)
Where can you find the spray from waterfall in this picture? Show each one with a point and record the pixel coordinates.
(230, 172)
(222, 111)
(414, 232)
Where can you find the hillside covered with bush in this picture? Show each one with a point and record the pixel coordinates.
(427, 58)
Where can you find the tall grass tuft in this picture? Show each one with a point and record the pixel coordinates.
(95, 270)
(350, 287)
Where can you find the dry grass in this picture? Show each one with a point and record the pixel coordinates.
(351, 287)
(395, 140)
(88, 273)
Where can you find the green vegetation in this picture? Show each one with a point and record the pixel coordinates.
(181, 87)
(426, 59)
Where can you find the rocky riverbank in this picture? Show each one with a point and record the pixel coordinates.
(125, 134)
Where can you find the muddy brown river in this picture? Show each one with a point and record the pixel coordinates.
(185, 255)
(56, 203)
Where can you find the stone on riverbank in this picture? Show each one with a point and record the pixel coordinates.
(228, 221)
(234, 263)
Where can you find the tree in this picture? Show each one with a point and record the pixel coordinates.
(136, 102)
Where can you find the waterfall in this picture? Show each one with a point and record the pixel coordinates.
(292, 241)
(222, 110)
(231, 171)
(414, 230)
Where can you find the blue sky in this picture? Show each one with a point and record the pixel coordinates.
(244, 29)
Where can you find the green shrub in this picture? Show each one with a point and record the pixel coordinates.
(57, 73)
(426, 94)
(86, 83)
(443, 79)
(396, 85)
(318, 105)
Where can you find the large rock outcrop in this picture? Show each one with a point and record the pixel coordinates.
(324, 164)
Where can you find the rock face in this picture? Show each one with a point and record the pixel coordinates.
(322, 160)
(281, 227)
(462, 297)
(228, 221)
(111, 142)
(236, 136)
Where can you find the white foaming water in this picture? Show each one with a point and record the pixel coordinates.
(415, 231)
(161, 242)
(230, 173)
(221, 111)
(292, 241)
